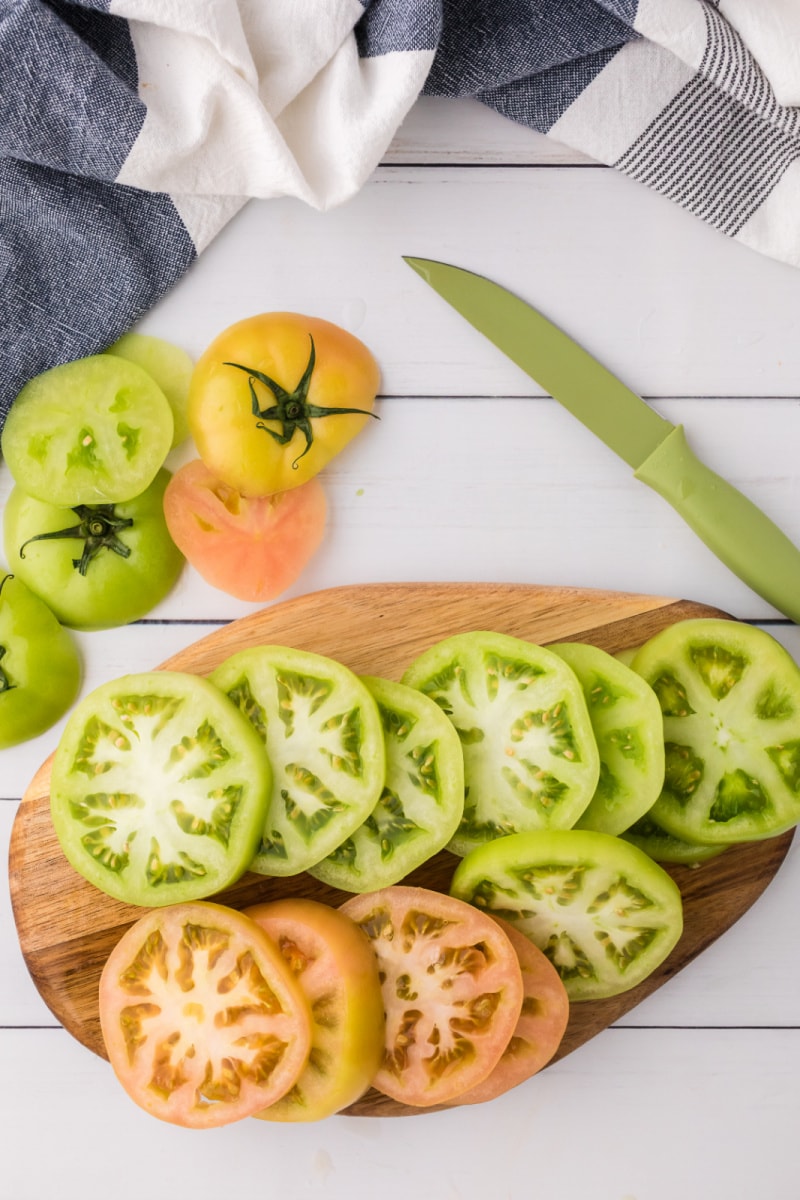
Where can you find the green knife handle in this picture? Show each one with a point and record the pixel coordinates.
(738, 532)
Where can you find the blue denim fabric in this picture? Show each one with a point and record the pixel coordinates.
(389, 25)
(81, 258)
(529, 59)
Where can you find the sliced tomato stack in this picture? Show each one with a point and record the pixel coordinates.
(210, 1015)
(291, 1010)
(455, 998)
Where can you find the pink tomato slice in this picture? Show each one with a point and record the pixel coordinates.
(541, 1025)
(452, 991)
(253, 548)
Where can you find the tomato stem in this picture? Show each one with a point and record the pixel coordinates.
(97, 527)
(5, 683)
(292, 409)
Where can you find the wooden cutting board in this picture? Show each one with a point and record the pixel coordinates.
(67, 928)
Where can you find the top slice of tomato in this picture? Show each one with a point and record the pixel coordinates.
(530, 755)
(159, 789)
(202, 1020)
(276, 396)
(94, 431)
(730, 699)
(452, 991)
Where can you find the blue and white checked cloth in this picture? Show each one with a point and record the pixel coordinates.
(131, 131)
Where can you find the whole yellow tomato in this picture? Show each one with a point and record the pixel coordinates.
(276, 396)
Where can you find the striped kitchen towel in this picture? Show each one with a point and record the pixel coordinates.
(131, 131)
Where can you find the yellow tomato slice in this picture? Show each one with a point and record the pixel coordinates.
(336, 967)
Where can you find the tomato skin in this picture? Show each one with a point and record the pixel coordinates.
(452, 989)
(338, 972)
(40, 668)
(253, 549)
(202, 1021)
(220, 409)
(115, 589)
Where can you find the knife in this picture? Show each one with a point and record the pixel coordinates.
(737, 531)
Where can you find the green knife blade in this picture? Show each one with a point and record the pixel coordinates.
(734, 528)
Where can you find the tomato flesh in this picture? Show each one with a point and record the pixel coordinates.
(602, 911)
(93, 431)
(322, 732)
(422, 800)
(202, 1020)
(730, 700)
(452, 990)
(159, 789)
(168, 365)
(253, 549)
(337, 971)
(530, 756)
(649, 836)
(626, 719)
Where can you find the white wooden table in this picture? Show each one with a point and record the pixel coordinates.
(472, 474)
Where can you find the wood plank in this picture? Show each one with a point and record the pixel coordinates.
(510, 490)
(611, 261)
(441, 130)
(67, 928)
(634, 1115)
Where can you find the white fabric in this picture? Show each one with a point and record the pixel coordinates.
(261, 99)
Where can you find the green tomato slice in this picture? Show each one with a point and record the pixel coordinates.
(530, 757)
(93, 431)
(648, 835)
(602, 911)
(40, 668)
(96, 566)
(422, 801)
(324, 738)
(168, 365)
(159, 789)
(730, 699)
(626, 719)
